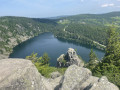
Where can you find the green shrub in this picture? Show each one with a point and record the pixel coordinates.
(42, 64)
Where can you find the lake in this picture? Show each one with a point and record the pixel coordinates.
(46, 42)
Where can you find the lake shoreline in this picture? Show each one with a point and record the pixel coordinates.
(49, 46)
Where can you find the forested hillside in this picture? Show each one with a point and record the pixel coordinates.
(89, 29)
(97, 19)
(86, 29)
(14, 30)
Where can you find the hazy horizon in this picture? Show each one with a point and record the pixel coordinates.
(60, 15)
(53, 8)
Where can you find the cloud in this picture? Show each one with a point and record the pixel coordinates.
(108, 5)
(118, 0)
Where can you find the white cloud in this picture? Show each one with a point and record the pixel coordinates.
(108, 5)
(118, 0)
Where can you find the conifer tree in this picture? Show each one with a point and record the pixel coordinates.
(110, 66)
(92, 56)
(45, 58)
(93, 61)
(112, 54)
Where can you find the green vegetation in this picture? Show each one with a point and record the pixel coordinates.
(42, 64)
(93, 61)
(110, 65)
(92, 56)
(63, 61)
(85, 34)
(46, 70)
(85, 29)
(14, 30)
(89, 29)
(45, 59)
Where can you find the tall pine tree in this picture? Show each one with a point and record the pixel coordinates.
(93, 61)
(112, 54)
(92, 56)
(110, 65)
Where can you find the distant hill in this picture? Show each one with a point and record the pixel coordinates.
(58, 17)
(85, 29)
(99, 19)
(90, 27)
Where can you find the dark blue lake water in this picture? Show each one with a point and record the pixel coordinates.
(46, 42)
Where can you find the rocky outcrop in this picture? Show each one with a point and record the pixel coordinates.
(73, 76)
(21, 74)
(103, 84)
(55, 82)
(79, 78)
(86, 85)
(69, 59)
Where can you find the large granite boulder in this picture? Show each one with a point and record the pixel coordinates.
(70, 58)
(86, 85)
(79, 78)
(55, 82)
(20, 74)
(103, 84)
(73, 76)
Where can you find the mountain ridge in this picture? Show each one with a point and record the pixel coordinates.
(92, 32)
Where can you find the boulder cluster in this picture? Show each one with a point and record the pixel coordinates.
(21, 74)
(70, 58)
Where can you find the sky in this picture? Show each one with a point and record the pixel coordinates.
(51, 8)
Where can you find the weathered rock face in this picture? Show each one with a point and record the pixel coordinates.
(79, 78)
(73, 76)
(86, 85)
(70, 58)
(103, 84)
(3, 56)
(60, 62)
(20, 74)
(55, 82)
(55, 75)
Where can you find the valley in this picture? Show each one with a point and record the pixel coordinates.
(85, 29)
(47, 43)
(87, 34)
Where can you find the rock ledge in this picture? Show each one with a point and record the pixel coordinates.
(21, 74)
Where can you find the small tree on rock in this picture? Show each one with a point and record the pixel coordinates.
(45, 59)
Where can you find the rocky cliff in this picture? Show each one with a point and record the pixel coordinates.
(69, 58)
(20, 74)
